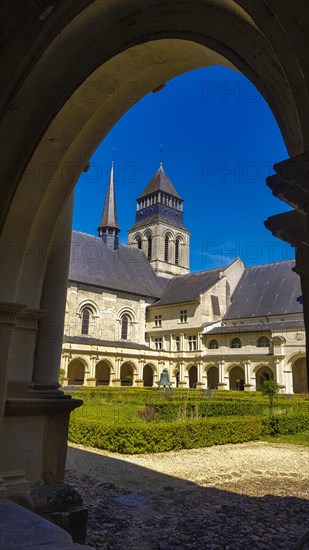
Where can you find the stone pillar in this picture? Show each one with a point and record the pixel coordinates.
(247, 385)
(91, 380)
(139, 382)
(199, 383)
(222, 385)
(116, 380)
(50, 333)
(182, 382)
(65, 367)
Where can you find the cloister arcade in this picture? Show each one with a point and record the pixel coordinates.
(234, 376)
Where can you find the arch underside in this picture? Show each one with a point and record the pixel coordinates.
(97, 75)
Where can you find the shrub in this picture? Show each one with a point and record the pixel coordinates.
(156, 437)
(285, 424)
(159, 437)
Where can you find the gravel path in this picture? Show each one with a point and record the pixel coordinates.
(246, 496)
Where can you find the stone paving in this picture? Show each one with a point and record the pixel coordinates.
(247, 496)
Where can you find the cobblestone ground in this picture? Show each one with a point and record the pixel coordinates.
(247, 496)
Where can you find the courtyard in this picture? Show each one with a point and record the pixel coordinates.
(249, 495)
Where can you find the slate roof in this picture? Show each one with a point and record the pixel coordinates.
(264, 290)
(109, 216)
(159, 213)
(187, 288)
(126, 269)
(160, 182)
(104, 343)
(259, 327)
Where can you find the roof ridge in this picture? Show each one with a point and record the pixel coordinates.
(270, 263)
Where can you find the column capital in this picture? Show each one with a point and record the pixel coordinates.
(291, 181)
(9, 313)
(29, 318)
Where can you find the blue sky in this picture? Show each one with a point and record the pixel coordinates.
(220, 141)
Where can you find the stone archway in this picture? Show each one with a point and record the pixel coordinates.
(237, 378)
(126, 374)
(148, 376)
(212, 377)
(299, 373)
(103, 373)
(263, 373)
(69, 73)
(193, 376)
(76, 373)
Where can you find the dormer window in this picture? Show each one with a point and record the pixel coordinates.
(263, 342)
(158, 320)
(214, 344)
(183, 316)
(236, 343)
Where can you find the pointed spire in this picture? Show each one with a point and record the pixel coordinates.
(108, 228)
(160, 182)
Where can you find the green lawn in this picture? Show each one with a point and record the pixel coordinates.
(301, 438)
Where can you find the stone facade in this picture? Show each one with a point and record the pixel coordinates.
(194, 324)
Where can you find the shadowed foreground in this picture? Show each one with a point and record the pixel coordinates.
(252, 495)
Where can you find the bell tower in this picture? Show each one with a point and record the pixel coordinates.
(159, 229)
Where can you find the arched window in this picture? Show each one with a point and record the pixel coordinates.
(263, 342)
(86, 314)
(124, 327)
(166, 247)
(177, 245)
(214, 344)
(149, 247)
(236, 343)
(139, 241)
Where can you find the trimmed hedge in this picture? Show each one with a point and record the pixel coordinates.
(159, 437)
(170, 411)
(285, 424)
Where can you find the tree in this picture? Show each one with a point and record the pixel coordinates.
(270, 388)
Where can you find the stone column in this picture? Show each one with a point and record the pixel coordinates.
(199, 383)
(182, 381)
(65, 366)
(91, 380)
(116, 380)
(139, 382)
(222, 385)
(247, 385)
(50, 333)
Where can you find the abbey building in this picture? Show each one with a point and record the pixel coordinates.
(133, 310)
